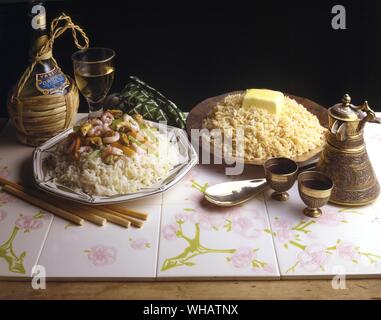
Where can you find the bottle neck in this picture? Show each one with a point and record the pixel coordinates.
(39, 34)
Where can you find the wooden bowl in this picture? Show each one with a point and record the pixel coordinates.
(200, 112)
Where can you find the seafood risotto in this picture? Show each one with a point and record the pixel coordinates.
(113, 154)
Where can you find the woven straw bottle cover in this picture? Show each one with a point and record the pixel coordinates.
(18, 103)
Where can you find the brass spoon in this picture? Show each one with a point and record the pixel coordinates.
(228, 194)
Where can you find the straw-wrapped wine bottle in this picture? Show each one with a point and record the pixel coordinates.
(45, 101)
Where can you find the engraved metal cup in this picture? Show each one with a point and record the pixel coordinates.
(281, 174)
(315, 189)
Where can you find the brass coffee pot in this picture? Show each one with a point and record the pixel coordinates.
(344, 158)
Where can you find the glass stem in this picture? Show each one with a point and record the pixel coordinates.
(95, 109)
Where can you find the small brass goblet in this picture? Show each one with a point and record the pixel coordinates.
(280, 174)
(315, 189)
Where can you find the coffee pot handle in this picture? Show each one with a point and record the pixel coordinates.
(339, 130)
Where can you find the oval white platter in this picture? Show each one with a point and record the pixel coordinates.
(188, 158)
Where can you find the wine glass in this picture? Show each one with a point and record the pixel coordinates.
(94, 74)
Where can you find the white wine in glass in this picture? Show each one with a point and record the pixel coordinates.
(94, 75)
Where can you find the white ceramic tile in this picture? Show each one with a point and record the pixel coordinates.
(373, 142)
(199, 240)
(23, 229)
(372, 132)
(153, 200)
(15, 158)
(340, 241)
(109, 252)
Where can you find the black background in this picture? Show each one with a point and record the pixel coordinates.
(191, 50)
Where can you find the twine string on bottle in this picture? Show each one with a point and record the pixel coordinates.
(45, 52)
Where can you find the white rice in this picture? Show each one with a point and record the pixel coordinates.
(126, 175)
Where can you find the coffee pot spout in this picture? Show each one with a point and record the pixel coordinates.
(370, 115)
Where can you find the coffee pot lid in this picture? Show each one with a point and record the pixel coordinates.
(345, 111)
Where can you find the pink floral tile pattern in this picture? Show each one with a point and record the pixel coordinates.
(201, 240)
(196, 236)
(343, 239)
(6, 198)
(101, 255)
(4, 171)
(29, 223)
(140, 244)
(3, 215)
(23, 230)
(108, 252)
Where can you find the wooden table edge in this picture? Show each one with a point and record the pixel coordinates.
(363, 289)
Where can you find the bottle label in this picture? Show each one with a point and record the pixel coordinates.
(51, 82)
